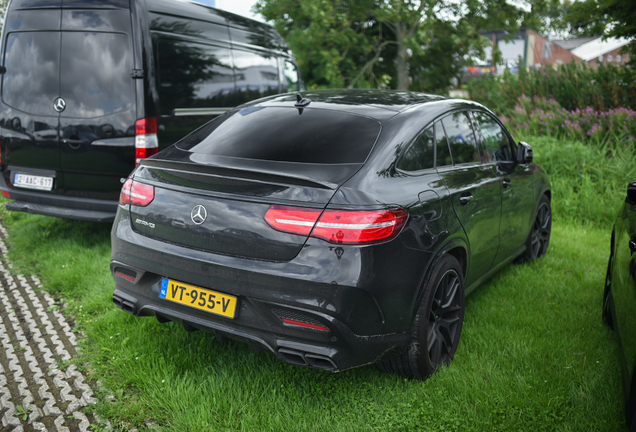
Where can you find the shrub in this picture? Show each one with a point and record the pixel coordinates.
(573, 86)
(544, 116)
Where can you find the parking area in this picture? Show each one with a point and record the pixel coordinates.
(39, 388)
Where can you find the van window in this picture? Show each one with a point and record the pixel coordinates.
(95, 74)
(256, 75)
(291, 78)
(284, 135)
(31, 82)
(92, 4)
(193, 75)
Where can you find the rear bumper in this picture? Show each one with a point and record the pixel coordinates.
(86, 209)
(359, 331)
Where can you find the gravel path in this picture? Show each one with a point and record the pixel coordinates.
(39, 390)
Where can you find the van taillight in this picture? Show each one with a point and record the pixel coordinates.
(137, 194)
(146, 142)
(338, 226)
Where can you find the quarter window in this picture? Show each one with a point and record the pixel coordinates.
(421, 155)
(496, 142)
(461, 138)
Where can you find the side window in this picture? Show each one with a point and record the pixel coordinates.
(496, 142)
(461, 138)
(443, 151)
(421, 155)
(193, 75)
(256, 75)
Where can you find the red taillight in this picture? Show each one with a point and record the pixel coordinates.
(338, 226)
(137, 194)
(6, 194)
(293, 220)
(304, 324)
(146, 142)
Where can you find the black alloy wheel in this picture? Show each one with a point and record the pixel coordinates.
(437, 326)
(445, 319)
(539, 237)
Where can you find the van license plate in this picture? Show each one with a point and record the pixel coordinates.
(33, 182)
(199, 298)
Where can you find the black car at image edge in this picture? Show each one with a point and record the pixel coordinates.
(333, 228)
(619, 300)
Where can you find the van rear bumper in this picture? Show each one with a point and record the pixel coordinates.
(62, 212)
(86, 209)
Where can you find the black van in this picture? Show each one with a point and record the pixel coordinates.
(90, 87)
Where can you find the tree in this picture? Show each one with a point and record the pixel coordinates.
(403, 44)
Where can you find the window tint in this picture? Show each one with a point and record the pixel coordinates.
(31, 82)
(443, 152)
(282, 134)
(421, 155)
(256, 75)
(461, 137)
(496, 142)
(95, 74)
(193, 75)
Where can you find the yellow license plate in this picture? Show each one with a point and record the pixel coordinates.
(199, 298)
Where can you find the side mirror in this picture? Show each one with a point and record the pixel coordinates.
(631, 193)
(524, 153)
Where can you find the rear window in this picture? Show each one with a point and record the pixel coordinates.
(92, 73)
(31, 82)
(95, 74)
(287, 135)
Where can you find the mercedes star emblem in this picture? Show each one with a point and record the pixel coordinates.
(199, 214)
(59, 104)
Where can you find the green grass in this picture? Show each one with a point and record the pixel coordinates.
(589, 182)
(534, 354)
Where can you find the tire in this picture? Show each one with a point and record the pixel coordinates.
(437, 325)
(539, 238)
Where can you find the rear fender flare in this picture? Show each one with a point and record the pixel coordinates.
(455, 243)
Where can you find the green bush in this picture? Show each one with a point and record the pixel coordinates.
(540, 116)
(573, 86)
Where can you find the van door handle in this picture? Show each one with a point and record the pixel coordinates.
(73, 143)
(506, 183)
(465, 198)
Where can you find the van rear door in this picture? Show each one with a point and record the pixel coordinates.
(68, 98)
(30, 86)
(97, 144)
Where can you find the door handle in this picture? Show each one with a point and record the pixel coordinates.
(465, 198)
(73, 143)
(506, 183)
